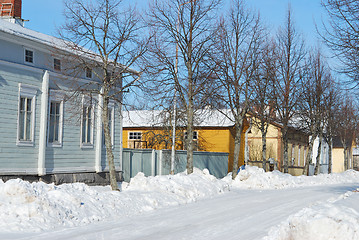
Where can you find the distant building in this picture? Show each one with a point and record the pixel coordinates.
(213, 132)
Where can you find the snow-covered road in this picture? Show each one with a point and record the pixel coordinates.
(238, 214)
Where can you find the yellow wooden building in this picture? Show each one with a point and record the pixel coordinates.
(213, 132)
(297, 149)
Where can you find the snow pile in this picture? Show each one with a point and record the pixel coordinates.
(39, 206)
(256, 178)
(200, 184)
(332, 220)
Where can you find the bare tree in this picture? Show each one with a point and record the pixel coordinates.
(179, 58)
(238, 43)
(312, 107)
(291, 54)
(347, 123)
(341, 33)
(330, 119)
(263, 95)
(109, 33)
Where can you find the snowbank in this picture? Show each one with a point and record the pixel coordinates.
(39, 206)
(331, 220)
(256, 178)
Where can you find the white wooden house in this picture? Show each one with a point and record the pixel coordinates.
(41, 136)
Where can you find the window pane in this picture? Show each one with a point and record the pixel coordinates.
(56, 129)
(28, 126)
(89, 131)
(88, 72)
(29, 56)
(21, 125)
(22, 104)
(57, 64)
(57, 108)
(86, 125)
(28, 108)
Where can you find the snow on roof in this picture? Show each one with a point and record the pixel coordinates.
(157, 118)
(54, 42)
(20, 31)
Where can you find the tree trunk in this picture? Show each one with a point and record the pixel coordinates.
(189, 140)
(346, 159)
(330, 156)
(308, 159)
(108, 144)
(285, 149)
(319, 151)
(237, 148)
(264, 147)
(345, 149)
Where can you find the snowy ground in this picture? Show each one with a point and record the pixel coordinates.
(256, 205)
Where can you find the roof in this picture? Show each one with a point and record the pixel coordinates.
(54, 42)
(157, 118)
(20, 31)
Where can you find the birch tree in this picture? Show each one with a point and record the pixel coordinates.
(263, 94)
(330, 119)
(239, 41)
(291, 55)
(102, 39)
(312, 107)
(347, 125)
(179, 58)
(341, 34)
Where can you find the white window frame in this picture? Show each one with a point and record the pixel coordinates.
(33, 56)
(56, 97)
(91, 107)
(299, 152)
(111, 108)
(136, 132)
(29, 92)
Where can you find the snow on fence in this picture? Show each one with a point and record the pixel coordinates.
(158, 162)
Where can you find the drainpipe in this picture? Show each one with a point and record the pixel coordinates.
(41, 170)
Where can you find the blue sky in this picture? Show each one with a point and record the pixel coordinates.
(45, 15)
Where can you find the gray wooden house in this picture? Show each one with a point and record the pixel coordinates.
(42, 136)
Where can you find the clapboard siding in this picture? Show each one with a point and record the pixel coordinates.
(70, 157)
(11, 155)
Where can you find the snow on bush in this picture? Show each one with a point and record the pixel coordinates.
(328, 221)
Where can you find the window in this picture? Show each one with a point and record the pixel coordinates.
(29, 56)
(87, 123)
(88, 72)
(195, 135)
(299, 156)
(26, 115)
(55, 123)
(134, 135)
(57, 64)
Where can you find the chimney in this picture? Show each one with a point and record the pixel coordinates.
(10, 9)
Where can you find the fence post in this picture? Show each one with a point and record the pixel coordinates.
(160, 163)
(153, 162)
